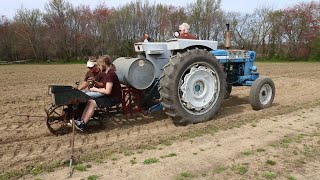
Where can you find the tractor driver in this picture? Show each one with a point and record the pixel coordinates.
(184, 32)
(94, 76)
(112, 94)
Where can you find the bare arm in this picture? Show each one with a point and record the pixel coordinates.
(106, 90)
(99, 84)
(83, 85)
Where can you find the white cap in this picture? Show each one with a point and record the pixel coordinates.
(91, 64)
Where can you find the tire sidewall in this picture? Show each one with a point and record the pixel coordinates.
(255, 93)
(210, 61)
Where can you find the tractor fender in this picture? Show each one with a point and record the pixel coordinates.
(180, 44)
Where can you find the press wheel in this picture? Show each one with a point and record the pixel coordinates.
(57, 119)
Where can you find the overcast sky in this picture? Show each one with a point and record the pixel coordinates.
(9, 7)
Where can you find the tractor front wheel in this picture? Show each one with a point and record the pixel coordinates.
(262, 93)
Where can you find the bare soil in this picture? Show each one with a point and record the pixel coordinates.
(279, 142)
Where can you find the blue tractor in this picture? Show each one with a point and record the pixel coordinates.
(191, 78)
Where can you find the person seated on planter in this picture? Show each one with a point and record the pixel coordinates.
(93, 77)
(184, 32)
(101, 63)
(111, 94)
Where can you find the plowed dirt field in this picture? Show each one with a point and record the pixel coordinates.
(279, 142)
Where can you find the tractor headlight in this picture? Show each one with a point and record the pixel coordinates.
(254, 68)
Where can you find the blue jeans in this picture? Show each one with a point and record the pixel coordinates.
(94, 94)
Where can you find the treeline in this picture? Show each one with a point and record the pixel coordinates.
(66, 32)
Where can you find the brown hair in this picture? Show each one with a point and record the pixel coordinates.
(104, 61)
(112, 66)
(92, 58)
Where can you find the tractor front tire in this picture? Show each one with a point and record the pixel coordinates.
(192, 87)
(262, 93)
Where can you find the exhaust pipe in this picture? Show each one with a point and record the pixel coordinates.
(227, 43)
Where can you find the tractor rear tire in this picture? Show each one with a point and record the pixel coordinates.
(192, 87)
(262, 93)
(228, 91)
